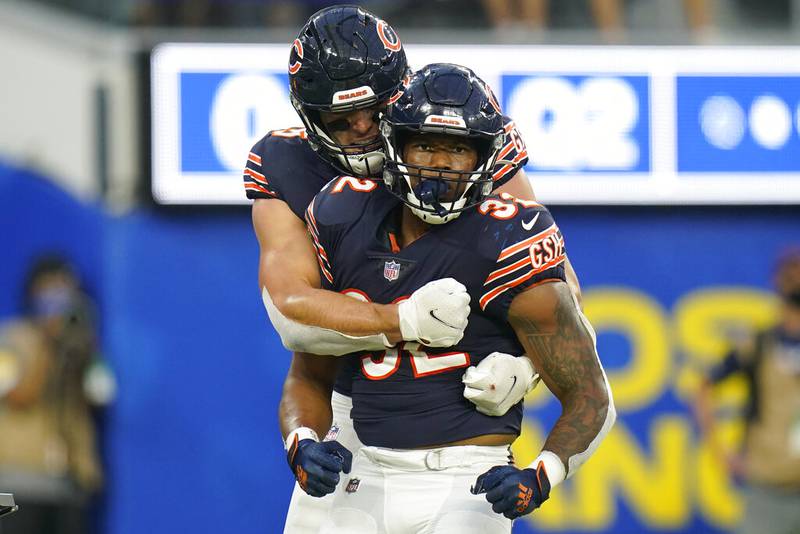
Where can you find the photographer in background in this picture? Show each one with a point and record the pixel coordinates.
(50, 378)
(770, 461)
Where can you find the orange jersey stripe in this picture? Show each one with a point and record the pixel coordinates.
(505, 169)
(393, 243)
(513, 249)
(255, 158)
(253, 174)
(322, 256)
(325, 272)
(506, 150)
(491, 295)
(508, 167)
(312, 221)
(499, 273)
(252, 185)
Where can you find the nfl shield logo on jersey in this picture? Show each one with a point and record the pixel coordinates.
(391, 270)
(332, 433)
(352, 485)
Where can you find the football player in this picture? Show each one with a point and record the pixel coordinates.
(344, 66)
(428, 457)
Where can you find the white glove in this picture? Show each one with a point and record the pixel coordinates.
(435, 314)
(499, 382)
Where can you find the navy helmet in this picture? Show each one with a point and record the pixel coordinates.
(446, 99)
(344, 59)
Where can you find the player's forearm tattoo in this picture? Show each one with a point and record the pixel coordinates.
(567, 357)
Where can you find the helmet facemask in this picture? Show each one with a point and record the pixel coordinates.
(435, 195)
(361, 159)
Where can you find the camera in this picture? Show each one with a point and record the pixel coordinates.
(7, 505)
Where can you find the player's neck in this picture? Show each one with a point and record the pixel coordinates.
(411, 227)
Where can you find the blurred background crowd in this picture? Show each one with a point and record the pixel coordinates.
(512, 20)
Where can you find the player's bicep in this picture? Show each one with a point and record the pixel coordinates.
(287, 258)
(549, 324)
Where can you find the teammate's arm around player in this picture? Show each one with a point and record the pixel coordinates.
(434, 315)
(561, 342)
(288, 271)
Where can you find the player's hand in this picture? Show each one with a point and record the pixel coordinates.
(513, 492)
(316, 465)
(499, 382)
(435, 314)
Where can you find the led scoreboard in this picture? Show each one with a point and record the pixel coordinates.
(603, 125)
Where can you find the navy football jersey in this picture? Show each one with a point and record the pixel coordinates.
(282, 165)
(412, 396)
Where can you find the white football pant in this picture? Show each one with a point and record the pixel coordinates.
(307, 514)
(424, 491)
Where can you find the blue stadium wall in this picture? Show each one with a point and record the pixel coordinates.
(192, 442)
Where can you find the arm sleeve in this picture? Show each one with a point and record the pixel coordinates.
(512, 157)
(298, 337)
(256, 182)
(530, 256)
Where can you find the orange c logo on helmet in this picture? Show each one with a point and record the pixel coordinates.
(388, 37)
(492, 99)
(395, 97)
(297, 46)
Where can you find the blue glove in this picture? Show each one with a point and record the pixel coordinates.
(316, 465)
(513, 492)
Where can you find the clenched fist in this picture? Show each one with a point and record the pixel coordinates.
(498, 382)
(435, 314)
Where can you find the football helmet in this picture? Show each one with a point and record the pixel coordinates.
(344, 59)
(442, 98)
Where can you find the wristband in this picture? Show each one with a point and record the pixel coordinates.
(299, 434)
(553, 466)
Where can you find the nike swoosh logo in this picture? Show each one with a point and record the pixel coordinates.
(528, 225)
(514, 383)
(443, 322)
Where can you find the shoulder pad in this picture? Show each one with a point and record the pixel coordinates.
(273, 159)
(343, 200)
(530, 247)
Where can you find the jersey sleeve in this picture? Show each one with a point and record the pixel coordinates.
(256, 182)
(336, 208)
(322, 240)
(513, 155)
(533, 252)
